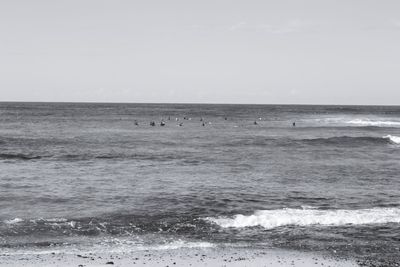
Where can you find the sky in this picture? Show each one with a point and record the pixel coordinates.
(208, 51)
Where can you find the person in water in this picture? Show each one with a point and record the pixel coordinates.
(294, 124)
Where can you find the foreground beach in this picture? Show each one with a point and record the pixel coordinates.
(175, 257)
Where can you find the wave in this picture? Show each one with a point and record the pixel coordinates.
(19, 156)
(13, 221)
(346, 140)
(270, 219)
(190, 159)
(353, 140)
(109, 224)
(179, 244)
(108, 245)
(393, 139)
(361, 122)
(378, 123)
(333, 141)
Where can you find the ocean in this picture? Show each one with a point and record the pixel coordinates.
(99, 177)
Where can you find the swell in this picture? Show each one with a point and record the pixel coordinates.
(19, 156)
(329, 141)
(185, 158)
(192, 159)
(351, 140)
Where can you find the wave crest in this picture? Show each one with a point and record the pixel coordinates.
(393, 139)
(347, 140)
(270, 219)
(378, 123)
(18, 156)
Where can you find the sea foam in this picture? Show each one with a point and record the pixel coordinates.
(13, 221)
(304, 217)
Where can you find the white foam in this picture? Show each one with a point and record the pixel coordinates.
(13, 221)
(113, 245)
(181, 244)
(118, 245)
(393, 139)
(347, 120)
(369, 122)
(303, 217)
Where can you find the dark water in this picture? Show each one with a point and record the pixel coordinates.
(84, 175)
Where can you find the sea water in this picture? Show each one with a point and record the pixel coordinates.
(86, 176)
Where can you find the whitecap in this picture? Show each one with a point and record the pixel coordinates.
(304, 217)
(379, 123)
(352, 121)
(393, 139)
(13, 221)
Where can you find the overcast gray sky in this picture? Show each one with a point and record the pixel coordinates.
(206, 51)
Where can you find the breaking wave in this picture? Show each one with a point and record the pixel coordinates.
(359, 122)
(393, 139)
(378, 123)
(270, 219)
(13, 221)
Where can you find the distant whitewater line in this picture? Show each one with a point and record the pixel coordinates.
(361, 122)
(367, 122)
(270, 219)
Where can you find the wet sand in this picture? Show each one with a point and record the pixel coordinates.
(179, 257)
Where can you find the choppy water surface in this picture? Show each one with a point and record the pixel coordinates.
(84, 175)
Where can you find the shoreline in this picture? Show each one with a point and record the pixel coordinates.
(176, 257)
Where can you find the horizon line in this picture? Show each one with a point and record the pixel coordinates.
(196, 103)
